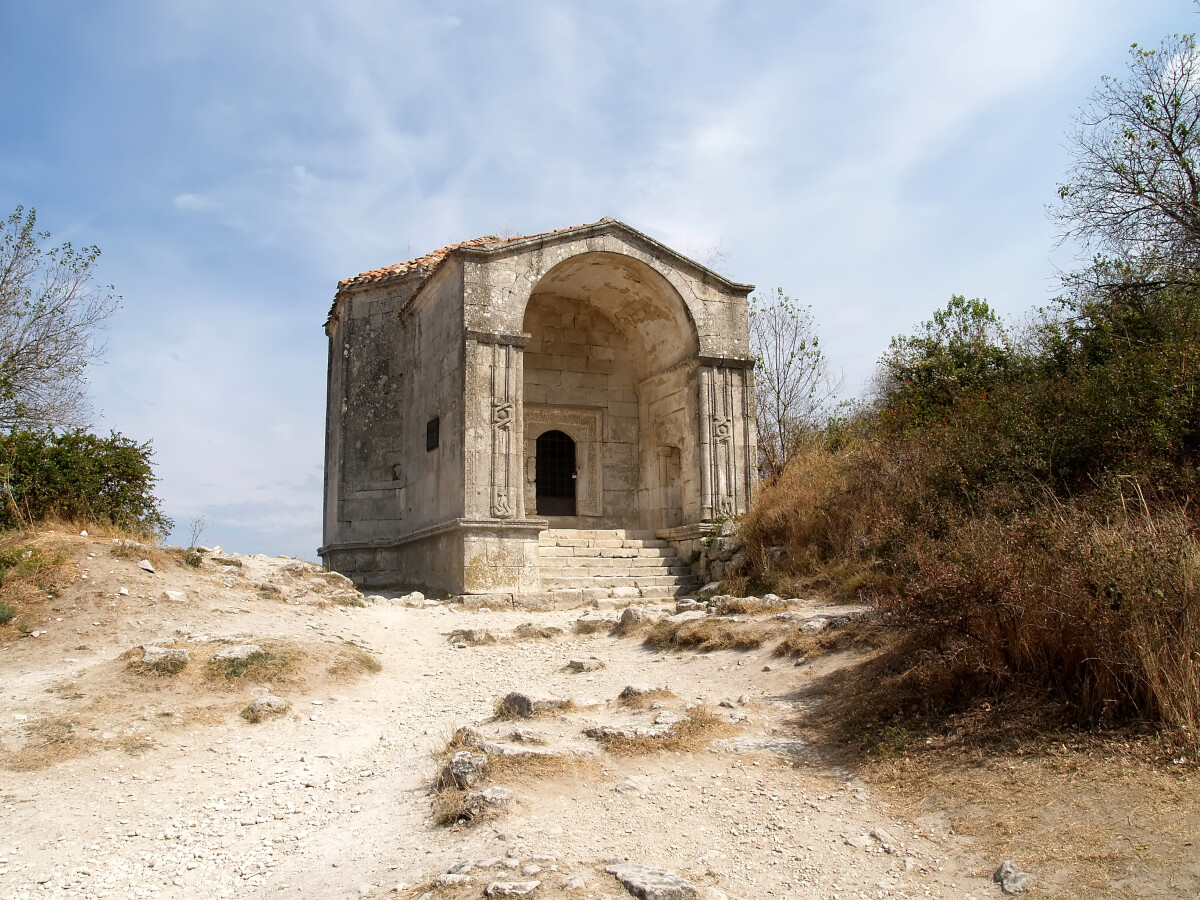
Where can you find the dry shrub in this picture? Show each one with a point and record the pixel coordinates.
(1106, 613)
(710, 634)
(699, 726)
(449, 806)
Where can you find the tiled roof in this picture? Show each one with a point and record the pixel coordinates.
(428, 264)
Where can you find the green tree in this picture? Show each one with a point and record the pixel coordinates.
(963, 349)
(1133, 190)
(50, 310)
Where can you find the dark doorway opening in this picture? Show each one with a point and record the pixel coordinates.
(555, 473)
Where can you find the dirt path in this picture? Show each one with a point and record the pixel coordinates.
(158, 791)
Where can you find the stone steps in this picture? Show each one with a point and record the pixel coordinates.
(622, 564)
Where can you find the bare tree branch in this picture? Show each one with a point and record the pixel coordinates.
(49, 313)
(793, 389)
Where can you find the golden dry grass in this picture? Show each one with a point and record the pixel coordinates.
(646, 700)
(351, 661)
(710, 634)
(700, 725)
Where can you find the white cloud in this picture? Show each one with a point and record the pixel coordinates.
(195, 203)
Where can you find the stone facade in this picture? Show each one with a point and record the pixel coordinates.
(587, 378)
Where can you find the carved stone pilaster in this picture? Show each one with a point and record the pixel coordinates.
(505, 396)
(724, 406)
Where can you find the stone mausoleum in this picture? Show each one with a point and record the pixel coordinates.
(543, 420)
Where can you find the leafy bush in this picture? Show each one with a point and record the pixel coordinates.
(78, 476)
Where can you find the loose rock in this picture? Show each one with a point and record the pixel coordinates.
(239, 653)
(465, 769)
(1011, 879)
(175, 596)
(146, 565)
(511, 888)
(268, 705)
(653, 883)
(530, 703)
(591, 664)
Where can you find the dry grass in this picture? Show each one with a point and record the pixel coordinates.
(528, 631)
(710, 634)
(473, 636)
(34, 566)
(739, 606)
(271, 663)
(48, 741)
(164, 668)
(503, 712)
(699, 726)
(350, 661)
(255, 717)
(592, 626)
(857, 635)
(646, 700)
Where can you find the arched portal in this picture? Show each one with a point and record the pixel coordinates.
(607, 362)
(555, 474)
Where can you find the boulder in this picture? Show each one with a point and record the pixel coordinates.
(653, 882)
(591, 664)
(164, 657)
(479, 803)
(511, 888)
(239, 653)
(531, 703)
(268, 705)
(465, 769)
(1011, 879)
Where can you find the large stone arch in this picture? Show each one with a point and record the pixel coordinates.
(640, 301)
(612, 343)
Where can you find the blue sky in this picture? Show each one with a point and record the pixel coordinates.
(234, 160)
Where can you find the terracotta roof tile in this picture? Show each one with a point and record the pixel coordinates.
(428, 264)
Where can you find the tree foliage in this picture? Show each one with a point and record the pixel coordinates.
(49, 312)
(963, 349)
(793, 389)
(1134, 187)
(78, 476)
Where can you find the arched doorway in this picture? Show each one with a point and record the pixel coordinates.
(555, 474)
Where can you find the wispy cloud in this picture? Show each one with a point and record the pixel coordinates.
(870, 158)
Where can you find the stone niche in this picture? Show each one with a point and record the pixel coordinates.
(586, 378)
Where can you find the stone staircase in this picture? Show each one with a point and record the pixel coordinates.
(600, 563)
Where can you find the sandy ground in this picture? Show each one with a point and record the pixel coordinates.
(122, 785)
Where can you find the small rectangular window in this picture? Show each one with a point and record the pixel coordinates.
(431, 433)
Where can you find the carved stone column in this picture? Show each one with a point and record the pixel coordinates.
(727, 441)
(499, 449)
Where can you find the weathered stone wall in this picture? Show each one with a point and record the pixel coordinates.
(576, 357)
(390, 378)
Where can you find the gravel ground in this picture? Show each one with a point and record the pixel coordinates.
(164, 791)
